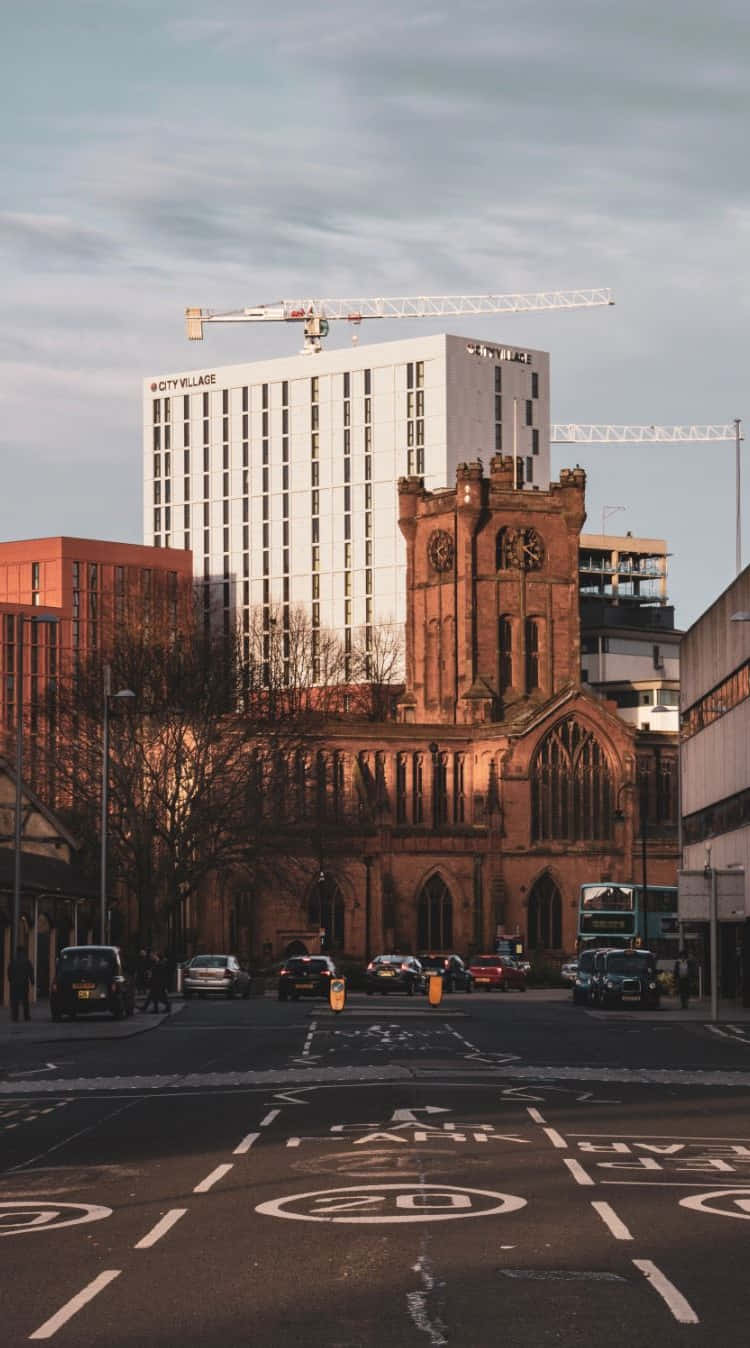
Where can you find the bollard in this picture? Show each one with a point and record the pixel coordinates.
(435, 989)
(337, 994)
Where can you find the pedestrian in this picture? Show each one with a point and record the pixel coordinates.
(157, 990)
(20, 978)
(682, 977)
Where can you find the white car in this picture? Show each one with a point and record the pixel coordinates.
(569, 971)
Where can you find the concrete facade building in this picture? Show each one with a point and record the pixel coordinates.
(281, 475)
(629, 643)
(715, 759)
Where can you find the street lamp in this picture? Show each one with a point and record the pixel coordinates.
(643, 821)
(50, 619)
(108, 694)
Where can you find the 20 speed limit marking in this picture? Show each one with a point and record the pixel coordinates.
(30, 1214)
(378, 1204)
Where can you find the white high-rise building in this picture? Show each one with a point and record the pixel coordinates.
(281, 475)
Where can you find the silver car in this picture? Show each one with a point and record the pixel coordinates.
(215, 974)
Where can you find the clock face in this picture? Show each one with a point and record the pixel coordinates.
(440, 550)
(530, 550)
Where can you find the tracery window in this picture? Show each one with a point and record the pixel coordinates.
(545, 915)
(571, 786)
(435, 916)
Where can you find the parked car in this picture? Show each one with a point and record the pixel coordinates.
(582, 987)
(497, 972)
(394, 973)
(455, 974)
(568, 971)
(215, 973)
(305, 976)
(90, 979)
(625, 978)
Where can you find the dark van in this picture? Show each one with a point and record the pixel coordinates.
(90, 979)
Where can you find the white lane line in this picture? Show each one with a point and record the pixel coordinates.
(272, 1114)
(680, 1308)
(165, 1224)
(608, 1215)
(535, 1115)
(715, 1030)
(212, 1179)
(580, 1175)
(556, 1138)
(293, 1141)
(308, 1041)
(75, 1304)
(245, 1144)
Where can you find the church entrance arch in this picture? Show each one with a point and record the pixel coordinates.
(435, 916)
(544, 923)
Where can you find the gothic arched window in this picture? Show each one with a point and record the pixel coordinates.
(571, 786)
(545, 915)
(435, 916)
(505, 549)
(325, 910)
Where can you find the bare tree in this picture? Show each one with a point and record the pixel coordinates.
(199, 765)
(377, 670)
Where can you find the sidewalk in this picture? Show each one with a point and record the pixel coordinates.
(41, 1029)
(698, 1009)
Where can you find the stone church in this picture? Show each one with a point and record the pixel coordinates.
(502, 784)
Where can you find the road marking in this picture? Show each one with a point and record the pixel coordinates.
(386, 1204)
(680, 1308)
(72, 1137)
(556, 1138)
(577, 1171)
(75, 1304)
(212, 1179)
(246, 1143)
(533, 1114)
(740, 1198)
(293, 1141)
(292, 1099)
(19, 1216)
(309, 1039)
(270, 1116)
(609, 1217)
(167, 1222)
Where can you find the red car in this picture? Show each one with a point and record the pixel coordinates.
(496, 972)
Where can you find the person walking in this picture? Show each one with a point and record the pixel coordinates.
(20, 978)
(682, 978)
(157, 990)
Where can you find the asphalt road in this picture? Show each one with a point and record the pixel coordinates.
(499, 1169)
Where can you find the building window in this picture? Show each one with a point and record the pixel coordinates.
(505, 647)
(535, 441)
(532, 654)
(417, 782)
(529, 470)
(435, 916)
(571, 786)
(529, 412)
(534, 384)
(459, 798)
(401, 798)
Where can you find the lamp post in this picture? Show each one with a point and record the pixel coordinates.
(123, 693)
(643, 821)
(50, 619)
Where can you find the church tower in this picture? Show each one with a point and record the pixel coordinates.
(492, 594)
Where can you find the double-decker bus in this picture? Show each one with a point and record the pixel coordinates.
(613, 914)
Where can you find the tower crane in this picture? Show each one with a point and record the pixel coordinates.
(317, 314)
(576, 434)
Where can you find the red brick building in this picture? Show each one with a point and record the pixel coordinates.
(504, 785)
(92, 588)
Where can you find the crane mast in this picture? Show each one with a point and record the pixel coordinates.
(317, 314)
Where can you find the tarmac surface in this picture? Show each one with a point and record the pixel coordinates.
(499, 1167)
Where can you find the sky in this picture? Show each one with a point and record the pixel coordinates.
(160, 154)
